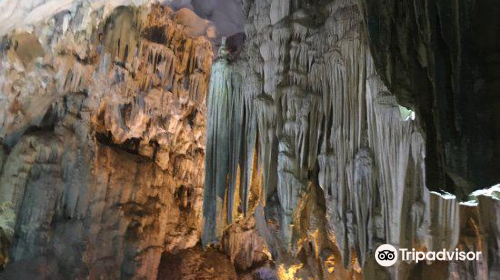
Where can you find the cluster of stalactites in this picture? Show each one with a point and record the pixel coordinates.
(135, 80)
(312, 98)
(159, 51)
(153, 79)
(231, 181)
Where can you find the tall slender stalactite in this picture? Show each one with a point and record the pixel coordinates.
(217, 201)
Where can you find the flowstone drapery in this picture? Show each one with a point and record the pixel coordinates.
(326, 124)
(325, 131)
(217, 204)
(103, 142)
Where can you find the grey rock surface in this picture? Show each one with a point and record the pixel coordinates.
(441, 58)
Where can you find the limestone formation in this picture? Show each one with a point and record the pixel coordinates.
(317, 122)
(103, 127)
(171, 141)
(439, 58)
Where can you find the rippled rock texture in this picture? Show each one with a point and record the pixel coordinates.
(117, 132)
(441, 58)
(324, 158)
(103, 132)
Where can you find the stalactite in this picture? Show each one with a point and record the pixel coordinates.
(217, 198)
(322, 114)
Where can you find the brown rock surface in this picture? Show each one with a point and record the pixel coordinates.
(196, 264)
(318, 149)
(103, 122)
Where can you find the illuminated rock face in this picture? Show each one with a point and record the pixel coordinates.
(320, 154)
(103, 132)
(224, 15)
(310, 162)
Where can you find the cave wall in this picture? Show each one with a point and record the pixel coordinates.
(311, 121)
(224, 15)
(103, 142)
(311, 162)
(441, 58)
